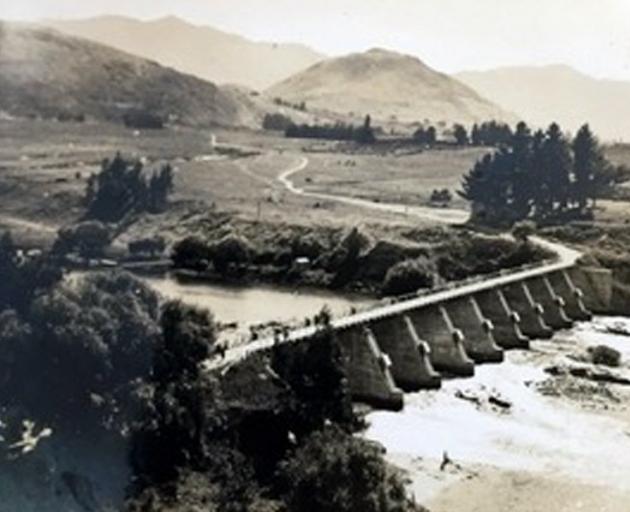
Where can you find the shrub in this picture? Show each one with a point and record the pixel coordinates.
(523, 230)
(191, 252)
(231, 250)
(89, 239)
(408, 276)
(605, 355)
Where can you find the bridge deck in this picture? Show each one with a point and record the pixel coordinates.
(566, 258)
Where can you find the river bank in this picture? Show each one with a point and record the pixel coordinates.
(518, 438)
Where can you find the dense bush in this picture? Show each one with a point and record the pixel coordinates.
(88, 341)
(409, 276)
(334, 472)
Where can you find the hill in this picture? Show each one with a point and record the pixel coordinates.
(199, 50)
(559, 93)
(386, 84)
(46, 74)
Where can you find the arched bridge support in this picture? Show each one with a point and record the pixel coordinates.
(411, 364)
(433, 325)
(479, 342)
(573, 296)
(530, 312)
(369, 369)
(507, 331)
(553, 305)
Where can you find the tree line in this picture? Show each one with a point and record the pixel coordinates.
(363, 134)
(543, 175)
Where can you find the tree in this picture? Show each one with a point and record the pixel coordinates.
(365, 135)
(556, 167)
(460, 134)
(425, 136)
(122, 187)
(588, 165)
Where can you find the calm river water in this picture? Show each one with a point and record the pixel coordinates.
(256, 304)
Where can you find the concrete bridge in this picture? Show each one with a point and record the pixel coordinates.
(413, 342)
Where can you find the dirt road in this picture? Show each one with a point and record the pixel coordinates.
(440, 215)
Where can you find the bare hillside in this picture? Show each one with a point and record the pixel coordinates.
(46, 74)
(386, 84)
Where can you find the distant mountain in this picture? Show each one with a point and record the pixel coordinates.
(384, 84)
(558, 93)
(201, 51)
(47, 74)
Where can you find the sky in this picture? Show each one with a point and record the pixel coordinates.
(592, 36)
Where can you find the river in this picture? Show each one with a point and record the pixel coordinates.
(566, 433)
(248, 305)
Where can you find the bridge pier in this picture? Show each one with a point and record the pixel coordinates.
(597, 285)
(411, 365)
(574, 305)
(507, 331)
(478, 340)
(531, 313)
(369, 370)
(433, 325)
(553, 305)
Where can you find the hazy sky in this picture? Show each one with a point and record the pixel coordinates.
(451, 35)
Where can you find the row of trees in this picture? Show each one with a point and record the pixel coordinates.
(123, 186)
(541, 175)
(489, 134)
(340, 131)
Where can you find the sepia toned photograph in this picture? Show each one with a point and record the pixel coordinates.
(314, 256)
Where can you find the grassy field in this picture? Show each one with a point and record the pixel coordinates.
(44, 167)
(407, 179)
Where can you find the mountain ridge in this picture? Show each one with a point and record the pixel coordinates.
(560, 93)
(201, 50)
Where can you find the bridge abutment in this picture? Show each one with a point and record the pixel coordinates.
(369, 369)
(478, 340)
(411, 365)
(530, 312)
(433, 325)
(507, 332)
(553, 305)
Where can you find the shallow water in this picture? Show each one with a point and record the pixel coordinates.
(554, 435)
